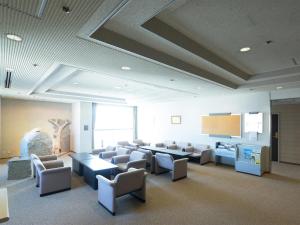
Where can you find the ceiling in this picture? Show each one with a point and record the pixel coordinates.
(175, 49)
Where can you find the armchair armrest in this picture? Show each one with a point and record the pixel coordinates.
(104, 180)
(137, 164)
(107, 155)
(180, 164)
(97, 151)
(180, 169)
(53, 164)
(47, 157)
(205, 156)
(56, 170)
(120, 159)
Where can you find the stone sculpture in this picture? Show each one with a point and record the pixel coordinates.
(36, 142)
(61, 135)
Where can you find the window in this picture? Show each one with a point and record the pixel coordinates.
(113, 124)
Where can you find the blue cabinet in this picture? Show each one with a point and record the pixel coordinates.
(252, 159)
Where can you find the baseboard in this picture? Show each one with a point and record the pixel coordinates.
(54, 192)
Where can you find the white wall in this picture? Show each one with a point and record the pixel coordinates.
(82, 115)
(284, 94)
(154, 119)
(20, 116)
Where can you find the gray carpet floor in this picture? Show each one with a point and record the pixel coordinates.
(211, 195)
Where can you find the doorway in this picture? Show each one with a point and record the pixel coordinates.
(275, 129)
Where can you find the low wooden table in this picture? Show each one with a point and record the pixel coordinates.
(176, 154)
(77, 159)
(88, 166)
(94, 167)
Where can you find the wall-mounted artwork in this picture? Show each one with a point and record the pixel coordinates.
(175, 119)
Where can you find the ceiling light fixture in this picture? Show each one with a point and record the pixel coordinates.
(172, 80)
(66, 9)
(279, 87)
(125, 68)
(245, 49)
(75, 83)
(14, 37)
(117, 87)
(35, 64)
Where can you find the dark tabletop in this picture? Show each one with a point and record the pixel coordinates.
(165, 150)
(97, 164)
(81, 156)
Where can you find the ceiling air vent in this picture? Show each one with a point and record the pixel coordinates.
(7, 83)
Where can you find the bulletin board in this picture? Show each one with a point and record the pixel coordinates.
(227, 125)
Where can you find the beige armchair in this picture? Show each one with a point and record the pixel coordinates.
(44, 158)
(165, 163)
(131, 182)
(136, 160)
(52, 177)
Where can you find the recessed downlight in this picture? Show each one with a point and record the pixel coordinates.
(117, 87)
(9, 69)
(279, 87)
(75, 83)
(14, 37)
(245, 49)
(125, 68)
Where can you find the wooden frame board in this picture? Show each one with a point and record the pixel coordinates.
(227, 125)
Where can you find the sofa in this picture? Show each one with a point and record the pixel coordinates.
(136, 159)
(52, 176)
(131, 182)
(165, 163)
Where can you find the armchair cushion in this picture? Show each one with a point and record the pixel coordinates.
(123, 151)
(164, 160)
(120, 159)
(107, 155)
(53, 164)
(136, 155)
(45, 158)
